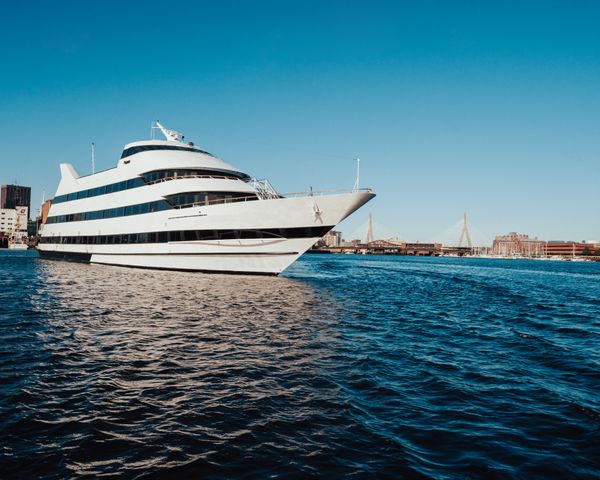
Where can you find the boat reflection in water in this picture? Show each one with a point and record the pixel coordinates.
(162, 368)
(123, 314)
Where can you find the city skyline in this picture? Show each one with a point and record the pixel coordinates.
(450, 108)
(450, 236)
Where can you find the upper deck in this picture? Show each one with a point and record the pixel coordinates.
(141, 157)
(160, 145)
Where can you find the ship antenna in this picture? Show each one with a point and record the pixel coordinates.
(93, 158)
(357, 183)
(170, 135)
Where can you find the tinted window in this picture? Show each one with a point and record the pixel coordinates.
(145, 148)
(202, 172)
(175, 236)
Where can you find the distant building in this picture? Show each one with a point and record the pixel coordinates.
(518, 244)
(515, 244)
(460, 251)
(45, 210)
(21, 218)
(12, 196)
(32, 227)
(390, 247)
(380, 246)
(333, 238)
(568, 249)
(8, 218)
(422, 249)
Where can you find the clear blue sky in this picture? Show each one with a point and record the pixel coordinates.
(451, 106)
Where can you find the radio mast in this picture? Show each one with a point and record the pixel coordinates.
(93, 158)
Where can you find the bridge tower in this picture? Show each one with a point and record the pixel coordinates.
(370, 229)
(465, 233)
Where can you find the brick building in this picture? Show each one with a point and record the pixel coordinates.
(518, 244)
(568, 249)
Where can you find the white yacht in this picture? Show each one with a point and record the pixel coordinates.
(170, 205)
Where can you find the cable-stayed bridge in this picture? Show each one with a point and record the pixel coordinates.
(462, 233)
(461, 238)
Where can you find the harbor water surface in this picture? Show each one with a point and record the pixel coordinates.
(345, 366)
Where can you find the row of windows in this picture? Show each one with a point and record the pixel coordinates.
(138, 209)
(181, 200)
(152, 177)
(188, 235)
(149, 177)
(146, 148)
(104, 189)
(209, 198)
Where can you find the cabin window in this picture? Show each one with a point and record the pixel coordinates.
(186, 235)
(146, 148)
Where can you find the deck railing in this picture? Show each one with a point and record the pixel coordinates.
(320, 193)
(263, 188)
(179, 177)
(217, 201)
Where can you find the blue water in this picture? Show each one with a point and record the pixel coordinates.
(346, 366)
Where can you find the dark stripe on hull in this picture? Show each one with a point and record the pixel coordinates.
(68, 256)
(189, 235)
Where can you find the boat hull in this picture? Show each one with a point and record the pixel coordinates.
(246, 240)
(201, 257)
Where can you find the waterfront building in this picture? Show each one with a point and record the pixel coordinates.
(458, 251)
(13, 226)
(32, 227)
(382, 247)
(21, 221)
(333, 238)
(8, 218)
(389, 247)
(21, 217)
(518, 245)
(571, 248)
(12, 196)
(422, 249)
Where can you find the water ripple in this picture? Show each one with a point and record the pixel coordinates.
(347, 366)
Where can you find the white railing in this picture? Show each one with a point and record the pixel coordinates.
(216, 202)
(320, 193)
(264, 189)
(179, 177)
